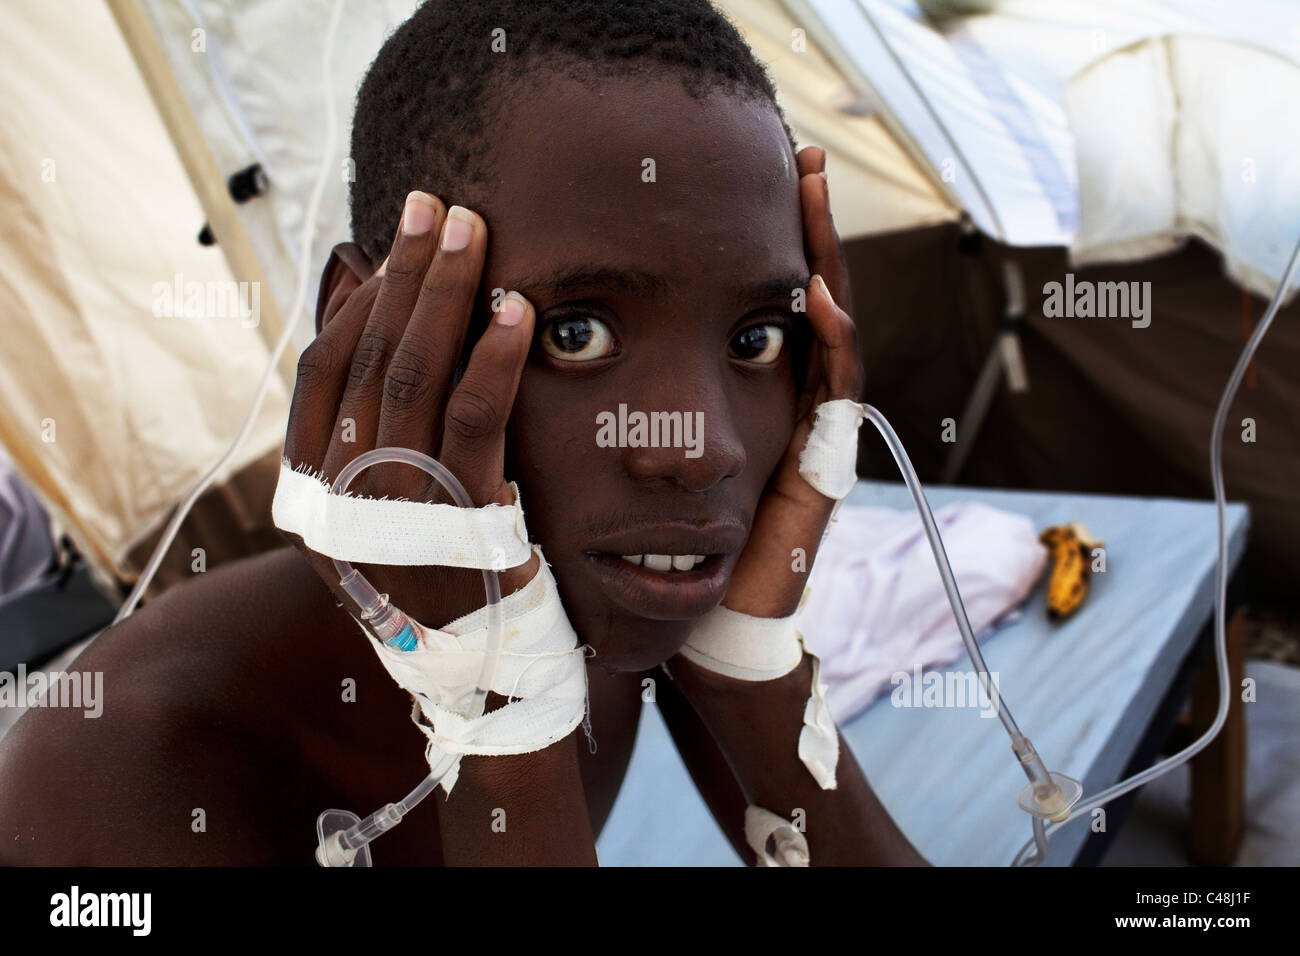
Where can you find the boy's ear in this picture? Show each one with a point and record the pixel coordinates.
(347, 267)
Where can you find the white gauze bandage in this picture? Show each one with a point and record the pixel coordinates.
(540, 670)
(540, 666)
(764, 648)
(393, 531)
(829, 460)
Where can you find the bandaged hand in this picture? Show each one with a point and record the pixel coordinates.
(751, 635)
(381, 373)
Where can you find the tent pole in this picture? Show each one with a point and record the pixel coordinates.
(1004, 355)
(207, 180)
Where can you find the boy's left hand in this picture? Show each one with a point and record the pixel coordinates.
(770, 575)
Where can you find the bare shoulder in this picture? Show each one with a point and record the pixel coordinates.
(195, 742)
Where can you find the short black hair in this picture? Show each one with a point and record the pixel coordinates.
(422, 118)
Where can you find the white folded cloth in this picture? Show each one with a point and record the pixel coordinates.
(877, 606)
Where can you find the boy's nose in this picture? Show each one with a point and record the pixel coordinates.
(684, 434)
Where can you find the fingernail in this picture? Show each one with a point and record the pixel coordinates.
(512, 309)
(382, 266)
(458, 229)
(417, 218)
(822, 282)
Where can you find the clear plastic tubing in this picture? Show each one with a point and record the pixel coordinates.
(1221, 580)
(1044, 785)
(941, 559)
(1034, 851)
(392, 627)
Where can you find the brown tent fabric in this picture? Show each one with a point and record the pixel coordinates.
(1111, 408)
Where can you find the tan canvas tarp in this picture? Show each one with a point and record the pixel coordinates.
(109, 410)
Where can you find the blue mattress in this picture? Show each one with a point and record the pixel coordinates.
(1083, 691)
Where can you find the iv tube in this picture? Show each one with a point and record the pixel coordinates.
(341, 847)
(1221, 575)
(1061, 807)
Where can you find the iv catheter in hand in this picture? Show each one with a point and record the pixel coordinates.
(343, 837)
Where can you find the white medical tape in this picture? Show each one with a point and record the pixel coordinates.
(829, 460)
(819, 741)
(540, 670)
(791, 846)
(395, 531)
(759, 649)
(746, 648)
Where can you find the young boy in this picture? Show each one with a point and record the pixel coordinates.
(649, 213)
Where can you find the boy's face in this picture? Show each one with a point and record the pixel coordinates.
(651, 231)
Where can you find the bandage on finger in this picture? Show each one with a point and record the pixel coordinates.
(829, 457)
(751, 648)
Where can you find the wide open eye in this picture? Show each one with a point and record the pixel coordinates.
(759, 343)
(577, 338)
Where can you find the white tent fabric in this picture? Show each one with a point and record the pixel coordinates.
(109, 410)
(983, 100)
(256, 93)
(971, 116)
(875, 185)
(1206, 145)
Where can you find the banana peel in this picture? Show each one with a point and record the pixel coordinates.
(1071, 551)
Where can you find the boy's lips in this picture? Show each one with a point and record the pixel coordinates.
(672, 594)
(663, 595)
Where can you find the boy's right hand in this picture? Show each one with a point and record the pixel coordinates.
(380, 373)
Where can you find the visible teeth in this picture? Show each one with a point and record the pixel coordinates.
(665, 562)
